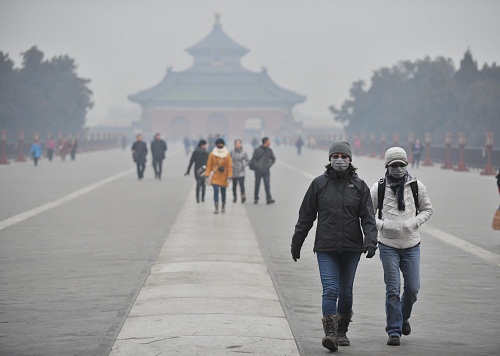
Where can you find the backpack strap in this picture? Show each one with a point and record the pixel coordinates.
(381, 194)
(414, 190)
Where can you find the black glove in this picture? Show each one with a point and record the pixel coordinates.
(295, 253)
(370, 250)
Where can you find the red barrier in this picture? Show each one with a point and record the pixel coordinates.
(3, 156)
(428, 140)
(488, 169)
(20, 145)
(461, 167)
(447, 140)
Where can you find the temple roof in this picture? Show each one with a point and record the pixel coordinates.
(217, 79)
(219, 40)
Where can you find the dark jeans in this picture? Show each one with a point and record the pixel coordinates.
(337, 271)
(157, 166)
(50, 154)
(141, 166)
(267, 181)
(241, 181)
(222, 193)
(416, 160)
(200, 185)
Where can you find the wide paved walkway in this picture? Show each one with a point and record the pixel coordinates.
(95, 262)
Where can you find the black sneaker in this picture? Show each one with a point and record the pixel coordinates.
(256, 201)
(406, 328)
(270, 201)
(393, 340)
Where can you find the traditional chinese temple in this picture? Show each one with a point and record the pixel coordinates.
(217, 95)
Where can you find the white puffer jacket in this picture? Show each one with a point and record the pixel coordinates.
(399, 229)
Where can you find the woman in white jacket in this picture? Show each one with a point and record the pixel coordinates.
(399, 239)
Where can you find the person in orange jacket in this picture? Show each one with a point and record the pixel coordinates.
(219, 171)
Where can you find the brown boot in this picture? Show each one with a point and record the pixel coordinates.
(344, 320)
(330, 325)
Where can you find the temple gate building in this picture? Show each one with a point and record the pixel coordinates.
(217, 95)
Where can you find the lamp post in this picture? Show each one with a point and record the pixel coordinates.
(20, 146)
(428, 140)
(447, 141)
(461, 142)
(3, 138)
(488, 169)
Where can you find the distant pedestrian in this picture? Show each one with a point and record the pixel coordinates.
(158, 149)
(199, 158)
(240, 161)
(255, 142)
(417, 152)
(123, 142)
(139, 153)
(219, 171)
(51, 147)
(299, 143)
(358, 145)
(187, 145)
(36, 151)
(403, 206)
(261, 162)
(63, 148)
(346, 227)
(73, 148)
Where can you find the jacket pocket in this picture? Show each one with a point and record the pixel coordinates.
(410, 224)
(391, 229)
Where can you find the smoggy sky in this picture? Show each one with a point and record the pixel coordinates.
(313, 47)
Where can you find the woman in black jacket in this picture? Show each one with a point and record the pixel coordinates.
(343, 205)
(199, 158)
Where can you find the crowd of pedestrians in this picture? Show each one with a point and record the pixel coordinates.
(62, 147)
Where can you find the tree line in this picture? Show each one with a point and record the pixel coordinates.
(42, 95)
(426, 96)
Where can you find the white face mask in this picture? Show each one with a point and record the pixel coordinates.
(339, 164)
(397, 172)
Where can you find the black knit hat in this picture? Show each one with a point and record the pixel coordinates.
(220, 141)
(340, 147)
(202, 142)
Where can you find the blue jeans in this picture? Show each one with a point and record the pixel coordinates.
(267, 184)
(337, 271)
(222, 193)
(393, 260)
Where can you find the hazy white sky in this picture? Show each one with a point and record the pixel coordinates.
(314, 47)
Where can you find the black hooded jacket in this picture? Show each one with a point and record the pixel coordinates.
(198, 158)
(344, 208)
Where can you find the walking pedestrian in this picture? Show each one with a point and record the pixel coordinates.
(417, 152)
(63, 148)
(158, 149)
(139, 153)
(341, 201)
(403, 206)
(187, 145)
(299, 143)
(51, 147)
(261, 162)
(36, 151)
(199, 158)
(240, 160)
(219, 170)
(73, 147)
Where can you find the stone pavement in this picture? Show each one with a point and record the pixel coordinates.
(138, 268)
(209, 292)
